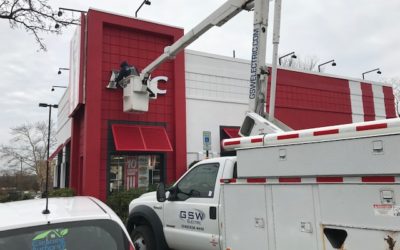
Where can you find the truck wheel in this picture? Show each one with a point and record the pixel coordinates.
(143, 238)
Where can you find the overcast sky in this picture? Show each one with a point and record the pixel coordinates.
(360, 35)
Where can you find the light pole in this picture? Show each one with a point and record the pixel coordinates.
(57, 86)
(147, 2)
(331, 61)
(292, 54)
(378, 71)
(59, 70)
(60, 13)
(20, 174)
(45, 105)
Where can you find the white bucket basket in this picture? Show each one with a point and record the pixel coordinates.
(136, 97)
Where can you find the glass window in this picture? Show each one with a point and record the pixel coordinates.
(134, 171)
(199, 182)
(94, 234)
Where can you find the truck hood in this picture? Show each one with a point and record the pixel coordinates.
(144, 199)
(148, 196)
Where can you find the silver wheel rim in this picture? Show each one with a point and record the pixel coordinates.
(139, 243)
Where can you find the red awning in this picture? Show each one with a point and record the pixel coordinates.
(232, 132)
(55, 153)
(140, 138)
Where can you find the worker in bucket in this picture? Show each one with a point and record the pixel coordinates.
(125, 71)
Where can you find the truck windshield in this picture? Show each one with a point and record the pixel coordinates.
(91, 234)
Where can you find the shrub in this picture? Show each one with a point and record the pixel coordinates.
(62, 192)
(119, 201)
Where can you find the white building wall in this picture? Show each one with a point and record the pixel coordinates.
(216, 95)
(62, 135)
(63, 121)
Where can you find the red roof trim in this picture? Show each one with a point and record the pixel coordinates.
(55, 153)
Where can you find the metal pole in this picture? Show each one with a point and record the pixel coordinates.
(322, 64)
(277, 25)
(140, 8)
(46, 211)
(20, 175)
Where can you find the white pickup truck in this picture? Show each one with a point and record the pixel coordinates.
(327, 188)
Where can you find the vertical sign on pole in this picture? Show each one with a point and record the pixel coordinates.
(207, 141)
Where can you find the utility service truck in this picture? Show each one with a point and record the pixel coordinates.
(327, 188)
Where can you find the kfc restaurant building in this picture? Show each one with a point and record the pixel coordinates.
(103, 150)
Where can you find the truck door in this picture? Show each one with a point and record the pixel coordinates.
(191, 220)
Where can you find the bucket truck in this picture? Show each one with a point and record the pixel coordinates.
(326, 188)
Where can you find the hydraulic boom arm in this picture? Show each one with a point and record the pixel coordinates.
(254, 123)
(218, 18)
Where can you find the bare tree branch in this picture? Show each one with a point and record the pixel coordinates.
(29, 145)
(396, 92)
(36, 17)
(307, 63)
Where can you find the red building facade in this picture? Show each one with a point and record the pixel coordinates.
(98, 123)
(107, 150)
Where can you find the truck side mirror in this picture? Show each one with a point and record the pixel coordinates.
(161, 197)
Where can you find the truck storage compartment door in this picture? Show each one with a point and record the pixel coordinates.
(369, 214)
(294, 217)
(245, 217)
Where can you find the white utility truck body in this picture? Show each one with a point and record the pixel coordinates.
(328, 188)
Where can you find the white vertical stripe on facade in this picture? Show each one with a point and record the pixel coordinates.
(55, 177)
(357, 108)
(379, 102)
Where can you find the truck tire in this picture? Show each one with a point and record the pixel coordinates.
(143, 238)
